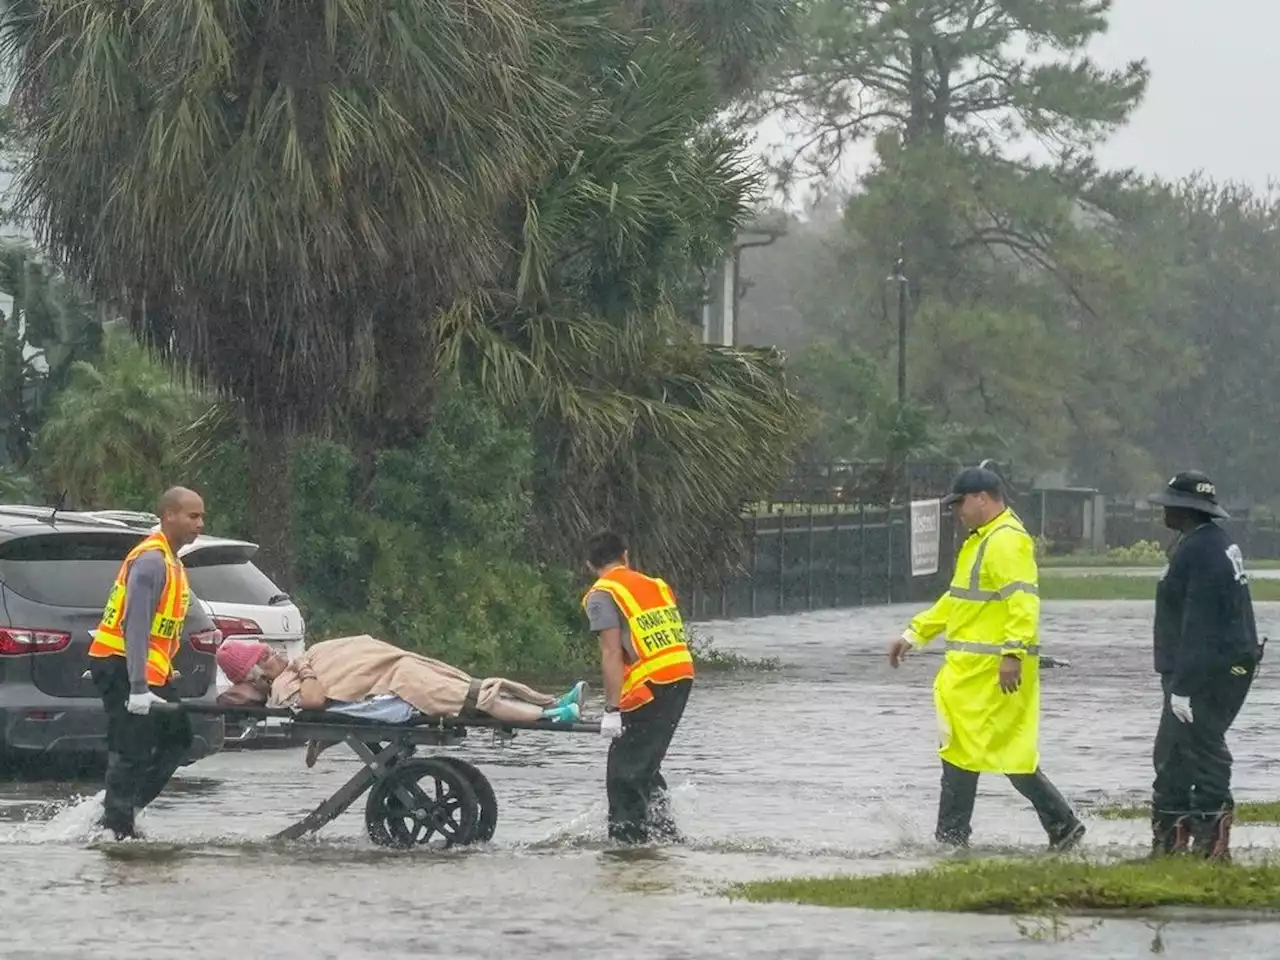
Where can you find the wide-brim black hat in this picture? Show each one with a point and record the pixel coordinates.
(1191, 490)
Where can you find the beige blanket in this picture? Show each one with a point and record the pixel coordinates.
(353, 668)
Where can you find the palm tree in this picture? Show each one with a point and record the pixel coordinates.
(311, 205)
(637, 424)
(283, 195)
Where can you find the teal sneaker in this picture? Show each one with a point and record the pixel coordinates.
(577, 693)
(567, 713)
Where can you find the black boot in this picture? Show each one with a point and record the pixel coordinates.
(120, 823)
(1067, 837)
(1170, 834)
(1211, 836)
(117, 806)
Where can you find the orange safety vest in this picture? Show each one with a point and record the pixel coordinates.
(657, 633)
(166, 621)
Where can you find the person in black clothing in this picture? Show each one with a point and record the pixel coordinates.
(1206, 651)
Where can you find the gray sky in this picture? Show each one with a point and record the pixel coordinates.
(1209, 99)
(1210, 104)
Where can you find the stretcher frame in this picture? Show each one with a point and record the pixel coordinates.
(391, 771)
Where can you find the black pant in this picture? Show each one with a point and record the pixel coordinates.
(960, 788)
(143, 751)
(1192, 762)
(638, 803)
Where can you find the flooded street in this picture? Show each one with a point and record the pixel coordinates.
(825, 765)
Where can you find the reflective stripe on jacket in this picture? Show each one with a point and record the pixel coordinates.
(991, 609)
(657, 633)
(166, 621)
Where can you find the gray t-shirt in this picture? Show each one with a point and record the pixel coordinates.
(603, 612)
(143, 590)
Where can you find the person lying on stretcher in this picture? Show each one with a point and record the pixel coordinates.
(364, 677)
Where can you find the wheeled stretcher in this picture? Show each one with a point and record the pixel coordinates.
(412, 800)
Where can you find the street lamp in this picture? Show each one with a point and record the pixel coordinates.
(900, 278)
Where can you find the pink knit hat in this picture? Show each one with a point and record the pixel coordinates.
(238, 657)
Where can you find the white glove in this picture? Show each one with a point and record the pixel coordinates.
(611, 724)
(1181, 707)
(140, 703)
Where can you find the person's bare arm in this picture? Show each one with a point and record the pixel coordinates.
(611, 664)
(606, 620)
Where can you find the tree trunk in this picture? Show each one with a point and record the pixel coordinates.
(271, 499)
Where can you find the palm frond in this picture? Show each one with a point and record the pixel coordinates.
(248, 176)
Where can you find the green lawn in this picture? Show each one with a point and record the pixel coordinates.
(1044, 884)
(1103, 561)
(1255, 812)
(1104, 586)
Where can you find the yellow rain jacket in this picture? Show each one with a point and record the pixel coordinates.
(991, 609)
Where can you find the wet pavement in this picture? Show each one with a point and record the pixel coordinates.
(826, 765)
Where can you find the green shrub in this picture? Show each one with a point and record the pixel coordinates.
(431, 552)
(1141, 553)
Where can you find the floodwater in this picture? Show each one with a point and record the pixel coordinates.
(826, 765)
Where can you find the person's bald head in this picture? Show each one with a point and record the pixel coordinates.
(181, 513)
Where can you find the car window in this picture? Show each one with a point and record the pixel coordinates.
(232, 583)
(64, 569)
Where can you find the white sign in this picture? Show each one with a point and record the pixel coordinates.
(926, 536)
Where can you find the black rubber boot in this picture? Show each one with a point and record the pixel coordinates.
(1066, 838)
(1170, 834)
(120, 823)
(117, 805)
(1211, 836)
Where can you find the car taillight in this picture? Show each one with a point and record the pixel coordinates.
(17, 642)
(238, 627)
(206, 641)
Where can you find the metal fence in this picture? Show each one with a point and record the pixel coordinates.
(1127, 524)
(818, 560)
(834, 535)
(838, 535)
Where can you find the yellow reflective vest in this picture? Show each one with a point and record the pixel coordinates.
(991, 609)
(166, 620)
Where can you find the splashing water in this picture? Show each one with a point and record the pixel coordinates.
(75, 822)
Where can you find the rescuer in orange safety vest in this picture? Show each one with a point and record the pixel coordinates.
(648, 673)
(131, 662)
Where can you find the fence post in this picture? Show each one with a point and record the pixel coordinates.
(782, 562)
(862, 554)
(888, 531)
(834, 562)
(808, 593)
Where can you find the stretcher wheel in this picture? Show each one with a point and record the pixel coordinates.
(444, 806)
(485, 796)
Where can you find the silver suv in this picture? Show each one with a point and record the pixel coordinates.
(55, 573)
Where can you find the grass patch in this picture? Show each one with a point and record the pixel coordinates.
(1049, 884)
(1104, 560)
(1121, 587)
(708, 657)
(1256, 812)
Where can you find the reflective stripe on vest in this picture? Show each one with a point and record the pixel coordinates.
(991, 649)
(166, 621)
(974, 590)
(657, 633)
